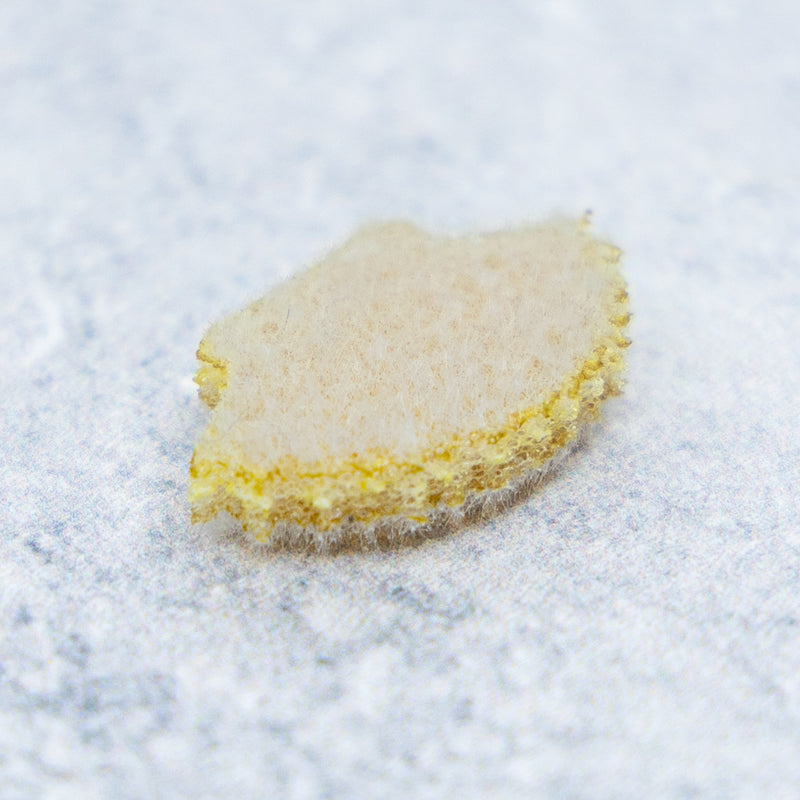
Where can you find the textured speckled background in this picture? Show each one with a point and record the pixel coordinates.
(632, 631)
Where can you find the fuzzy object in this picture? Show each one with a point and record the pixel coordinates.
(407, 382)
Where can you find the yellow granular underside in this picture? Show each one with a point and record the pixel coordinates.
(377, 484)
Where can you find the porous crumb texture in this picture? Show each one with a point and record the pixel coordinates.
(407, 381)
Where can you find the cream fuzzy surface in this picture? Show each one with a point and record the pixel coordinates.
(400, 339)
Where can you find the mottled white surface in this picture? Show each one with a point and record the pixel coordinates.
(633, 631)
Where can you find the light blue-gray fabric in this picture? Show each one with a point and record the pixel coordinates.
(631, 631)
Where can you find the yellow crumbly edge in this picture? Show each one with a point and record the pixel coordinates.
(337, 496)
